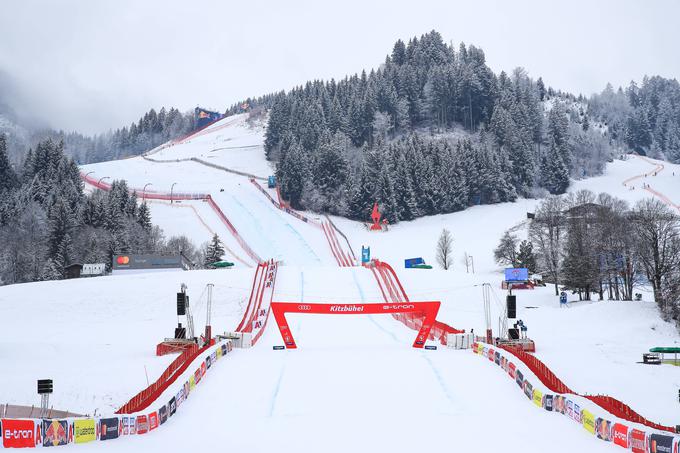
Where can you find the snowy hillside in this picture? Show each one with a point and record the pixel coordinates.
(354, 384)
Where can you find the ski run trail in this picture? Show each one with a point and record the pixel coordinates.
(354, 383)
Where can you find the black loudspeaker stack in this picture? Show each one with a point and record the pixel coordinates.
(512, 306)
(181, 304)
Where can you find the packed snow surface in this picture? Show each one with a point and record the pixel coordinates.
(354, 383)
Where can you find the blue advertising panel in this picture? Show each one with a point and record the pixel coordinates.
(517, 274)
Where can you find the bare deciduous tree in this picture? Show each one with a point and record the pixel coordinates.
(547, 232)
(445, 249)
(657, 233)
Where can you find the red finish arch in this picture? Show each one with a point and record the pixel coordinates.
(427, 311)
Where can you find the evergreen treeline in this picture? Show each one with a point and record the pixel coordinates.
(47, 222)
(392, 136)
(152, 129)
(645, 118)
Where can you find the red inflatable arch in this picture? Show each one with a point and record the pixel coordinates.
(428, 309)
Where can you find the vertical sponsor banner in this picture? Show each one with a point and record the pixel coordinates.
(660, 443)
(219, 352)
(172, 406)
(213, 357)
(497, 358)
(179, 398)
(528, 389)
(548, 402)
(192, 382)
(109, 428)
(197, 376)
(203, 369)
(588, 421)
(620, 435)
(84, 431)
(208, 362)
(187, 389)
(538, 397)
(142, 424)
(126, 426)
(519, 378)
(492, 355)
(638, 441)
(559, 404)
(153, 421)
(511, 370)
(19, 433)
(603, 429)
(224, 349)
(54, 433)
(163, 414)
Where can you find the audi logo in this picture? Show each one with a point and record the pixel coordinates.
(304, 307)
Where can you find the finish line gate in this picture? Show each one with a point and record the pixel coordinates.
(427, 310)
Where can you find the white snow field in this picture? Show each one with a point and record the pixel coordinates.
(354, 383)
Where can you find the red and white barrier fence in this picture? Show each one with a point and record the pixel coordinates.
(255, 317)
(393, 291)
(185, 196)
(553, 383)
(30, 433)
(629, 434)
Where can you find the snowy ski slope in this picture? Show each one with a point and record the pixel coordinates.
(354, 383)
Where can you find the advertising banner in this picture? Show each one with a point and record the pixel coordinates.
(179, 398)
(588, 421)
(224, 349)
(570, 409)
(528, 389)
(54, 433)
(172, 405)
(163, 414)
(660, 443)
(127, 421)
(84, 431)
(491, 355)
(548, 402)
(192, 382)
(208, 362)
(620, 435)
(204, 367)
(498, 358)
(511, 370)
(197, 377)
(603, 429)
(153, 421)
(219, 352)
(19, 433)
(213, 357)
(538, 398)
(559, 404)
(109, 428)
(517, 274)
(638, 441)
(142, 424)
(519, 378)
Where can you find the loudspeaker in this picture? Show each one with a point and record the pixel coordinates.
(181, 304)
(180, 332)
(44, 386)
(512, 306)
(513, 334)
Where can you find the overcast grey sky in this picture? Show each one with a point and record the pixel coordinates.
(92, 65)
